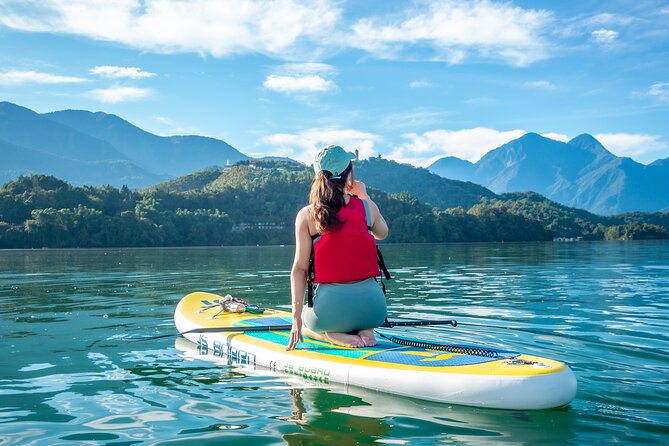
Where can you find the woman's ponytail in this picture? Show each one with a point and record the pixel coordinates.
(327, 198)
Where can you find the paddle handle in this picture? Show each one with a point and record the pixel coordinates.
(391, 324)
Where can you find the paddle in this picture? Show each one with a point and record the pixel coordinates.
(386, 324)
(391, 324)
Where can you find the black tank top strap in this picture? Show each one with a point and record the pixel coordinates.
(311, 273)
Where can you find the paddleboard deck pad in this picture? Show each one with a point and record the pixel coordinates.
(458, 374)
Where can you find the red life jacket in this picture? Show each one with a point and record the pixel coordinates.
(348, 254)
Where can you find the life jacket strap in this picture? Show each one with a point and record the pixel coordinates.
(382, 264)
(311, 274)
(384, 271)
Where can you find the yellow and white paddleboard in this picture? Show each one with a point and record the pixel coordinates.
(486, 378)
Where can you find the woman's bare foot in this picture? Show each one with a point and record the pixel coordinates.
(367, 337)
(313, 335)
(344, 340)
(340, 339)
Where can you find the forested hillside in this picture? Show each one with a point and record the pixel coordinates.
(570, 222)
(245, 204)
(256, 203)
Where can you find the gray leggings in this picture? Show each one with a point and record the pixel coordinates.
(346, 307)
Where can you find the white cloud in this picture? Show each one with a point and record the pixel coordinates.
(480, 101)
(219, 28)
(470, 144)
(456, 30)
(452, 30)
(419, 150)
(444, 30)
(112, 72)
(301, 78)
(420, 84)
(301, 84)
(35, 77)
(659, 90)
(303, 146)
(540, 85)
(415, 118)
(641, 147)
(609, 19)
(604, 36)
(302, 69)
(115, 95)
(598, 26)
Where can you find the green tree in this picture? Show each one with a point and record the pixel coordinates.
(636, 231)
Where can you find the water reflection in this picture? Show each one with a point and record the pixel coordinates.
(338, 414)
(66, 376)
(299, 414)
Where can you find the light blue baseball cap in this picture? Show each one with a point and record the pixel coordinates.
(333, 159)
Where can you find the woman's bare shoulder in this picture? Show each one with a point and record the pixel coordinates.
(304, 213)
(305, 219)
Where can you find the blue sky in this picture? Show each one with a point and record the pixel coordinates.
(412, 81)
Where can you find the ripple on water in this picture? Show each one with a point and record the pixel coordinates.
(602, 308)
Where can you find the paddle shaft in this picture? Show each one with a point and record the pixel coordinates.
(391, 324)
(387, 324)
(218, 330)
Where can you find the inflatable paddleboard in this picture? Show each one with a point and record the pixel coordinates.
(468, 375)
(468, 425)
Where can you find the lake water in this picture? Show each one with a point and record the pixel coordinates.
(68, 377)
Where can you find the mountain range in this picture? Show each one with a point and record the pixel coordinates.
(99, 148)
(87, 148)
(580, 173)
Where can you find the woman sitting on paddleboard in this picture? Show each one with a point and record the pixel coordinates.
(340, 224)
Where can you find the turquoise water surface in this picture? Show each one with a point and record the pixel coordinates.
(67, 376)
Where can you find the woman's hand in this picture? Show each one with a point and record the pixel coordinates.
(357, 188)
(298, 274)
(295, 333)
